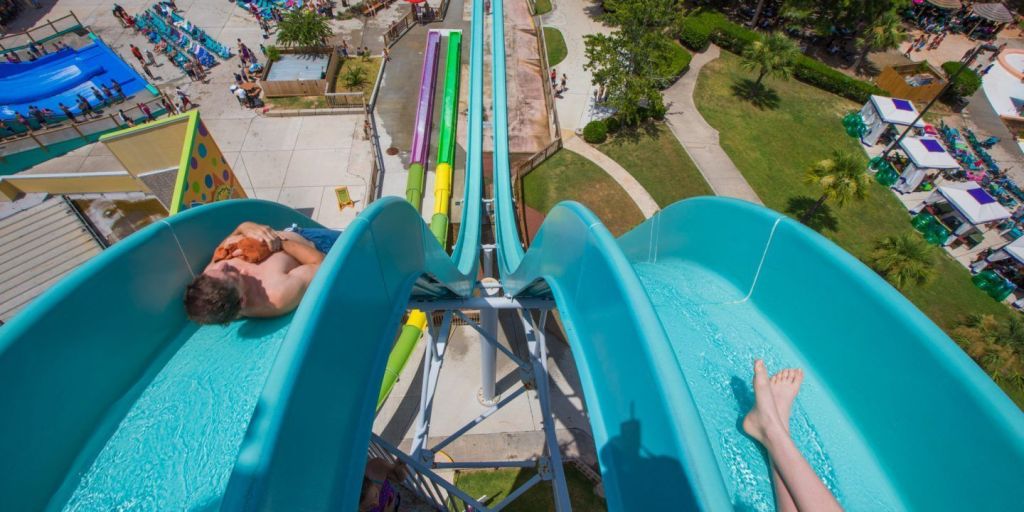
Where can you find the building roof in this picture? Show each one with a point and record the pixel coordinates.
(1016, 249)
(973, 202)
(995, 12)
(927, 153)
(42, 244)
(896, 110)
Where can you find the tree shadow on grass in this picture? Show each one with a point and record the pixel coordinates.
(634, 132)
(823, 219)
(757, 94)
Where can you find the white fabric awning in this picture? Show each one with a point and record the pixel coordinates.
(1016, 249)
(896, 111)
(928, 153)
(977, 205)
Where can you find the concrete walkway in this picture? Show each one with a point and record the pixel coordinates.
(575, 19)
(701, 140)
(636, 191)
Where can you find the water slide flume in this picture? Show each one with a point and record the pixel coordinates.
(424, 115)
(417, 321)
(939, 432)
(446, 144)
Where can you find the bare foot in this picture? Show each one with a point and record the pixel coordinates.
(785, 386)
(763, 420)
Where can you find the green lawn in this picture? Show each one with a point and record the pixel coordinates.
(370, 67)
(542, 6)
(773, 144)
(496, 484)
(556, 46)
(569, 176)
(654, 157)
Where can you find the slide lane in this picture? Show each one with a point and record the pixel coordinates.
(424, 115)
(664, 325)
(446, 145)
(132, 401)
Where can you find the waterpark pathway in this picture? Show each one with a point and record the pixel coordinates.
(636, 191)
(699, 139)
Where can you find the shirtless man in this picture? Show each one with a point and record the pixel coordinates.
(233, 288)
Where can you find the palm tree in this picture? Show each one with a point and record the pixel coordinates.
(903, 259)
(885, 33)
(841, 178)
(303, 27)
(772, 54)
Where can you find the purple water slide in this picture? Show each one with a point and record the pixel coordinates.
(425, 105)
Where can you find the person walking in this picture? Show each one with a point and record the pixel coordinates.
(145, 69)
(169, 106)
(138, 54)
(117, 88)
(565, 79)
(146, 110)
(124, 118)
(99, 96)
(387, 54)
(150, 58)
(186, 103)
(67, 112)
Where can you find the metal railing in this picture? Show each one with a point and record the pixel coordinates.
(87, 130)
(399, 28)
(549, 96)
(41, 34)
(345, 99)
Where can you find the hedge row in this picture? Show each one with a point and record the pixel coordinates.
(698, 31)
(966, 83)
(676, 63)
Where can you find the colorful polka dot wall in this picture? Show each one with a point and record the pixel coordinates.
(209, 177)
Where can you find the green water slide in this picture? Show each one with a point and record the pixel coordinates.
(446, 145)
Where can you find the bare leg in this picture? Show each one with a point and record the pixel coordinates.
(785, 386)
(764, 423)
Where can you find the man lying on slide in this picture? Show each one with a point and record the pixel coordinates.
(257, 272)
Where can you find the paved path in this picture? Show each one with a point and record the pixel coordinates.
(636, 191)
(575, 19)
(698, 137)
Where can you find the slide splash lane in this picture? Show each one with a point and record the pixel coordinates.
(424, 116)
(665, 322)
(446, 145)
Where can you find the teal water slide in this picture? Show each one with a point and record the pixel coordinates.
(111, 398)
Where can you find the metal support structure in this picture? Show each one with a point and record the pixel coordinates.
(488, 351)
(423, 478)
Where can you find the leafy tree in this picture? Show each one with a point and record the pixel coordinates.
(903, 259)
(772, 54)
(842, 179)
(303, 27)
(628, 61)
(354, 78)
(885, 33)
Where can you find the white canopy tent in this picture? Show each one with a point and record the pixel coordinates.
(924, 153)
(882, 111)
(972, 206)
(1014, 249)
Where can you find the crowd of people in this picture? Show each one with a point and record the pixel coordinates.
(938, 22)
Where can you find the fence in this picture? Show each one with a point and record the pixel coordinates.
(87, 131)
(345, 99)
(40, 34)
(549, 97)
(296, 87)
(399, 28)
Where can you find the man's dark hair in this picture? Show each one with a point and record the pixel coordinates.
(212, 301)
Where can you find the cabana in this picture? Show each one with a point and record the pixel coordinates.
(964, 208)
(925, 154)
(881, 112)
(945, 4)
(992, 17)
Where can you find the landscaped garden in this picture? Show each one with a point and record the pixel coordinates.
(555, 43)
(652, 154)
(567, 176)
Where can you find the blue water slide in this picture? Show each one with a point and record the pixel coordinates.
(665, 322)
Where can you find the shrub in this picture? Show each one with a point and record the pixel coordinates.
(612, 124)
(822, 76)
(966, 83)
(595, 132)
(697, 30)
(273, 53)
(675, 63)
(658, 113)
(354, 78)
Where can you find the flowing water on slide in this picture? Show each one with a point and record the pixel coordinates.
(177, 445)
(716, 337)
